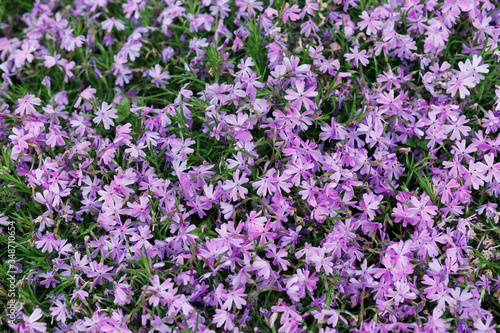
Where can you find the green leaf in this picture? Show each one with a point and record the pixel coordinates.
(123, 110)
(418, 143)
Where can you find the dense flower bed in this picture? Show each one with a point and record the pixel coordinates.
(250, 166)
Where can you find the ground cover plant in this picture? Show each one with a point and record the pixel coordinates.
(249, 166)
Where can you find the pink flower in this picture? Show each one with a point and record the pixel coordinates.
(223, 317)
(140, 210)
(291, 13)
(30, 324)
(262, 267)
(490, 169)
(143, 236)
(308, 281)
(104, 115)
(401, 293)
(460, 81)
(60, 311)
(277, 254)
(388, 102)
(99, 271)
(160, 292)
(421, 207)
(357, 56)
(109, 23)
(474, 68)
(136, 151)
(292, 289)
(321, 260)
(94, 324)
(159, 77)
(25, 105)
(487, 327)
(87, 94)
(334, 131)
(298, 97)
(266, 183)
(114, 326)
(20, 138)
(307, 26)
(403, 213)
(46, 198)
(123, 292)
(457, 128)
(235, 297)
(297, 170)
(235, 186)
(131, 50)
(25, 53)
(370, 23)
(370, 204)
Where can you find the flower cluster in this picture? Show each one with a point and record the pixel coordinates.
(252, 166)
